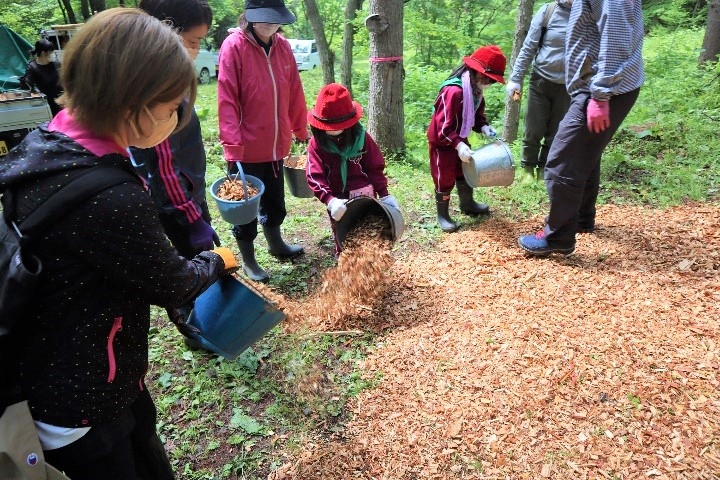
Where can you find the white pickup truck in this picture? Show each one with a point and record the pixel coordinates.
(21, 111)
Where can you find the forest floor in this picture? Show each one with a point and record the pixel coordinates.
(495, 365)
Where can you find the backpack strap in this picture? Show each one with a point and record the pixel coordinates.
(87, 184)
(546, 19)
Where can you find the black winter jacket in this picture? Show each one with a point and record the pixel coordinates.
(82, 344)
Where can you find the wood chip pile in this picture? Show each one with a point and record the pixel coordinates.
(296, 161)
(499, 366)
(356, 284)
(232, 189)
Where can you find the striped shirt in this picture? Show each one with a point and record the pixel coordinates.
(604, 48)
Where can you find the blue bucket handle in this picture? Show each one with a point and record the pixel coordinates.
(242, 177)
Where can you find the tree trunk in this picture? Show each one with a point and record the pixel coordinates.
(711, 42)
(97, 6)
(327, 57)
(386, 118)
(512, 107)
(348, 41)
(85, 9)
(68, 12)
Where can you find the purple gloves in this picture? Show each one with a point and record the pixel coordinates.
(598, 115)
(202, 235)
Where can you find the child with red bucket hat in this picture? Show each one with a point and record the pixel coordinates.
(460, 109)
(343, 159)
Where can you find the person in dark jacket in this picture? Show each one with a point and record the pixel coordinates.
(343, 159)
(460, 109)
(82, 345)
(261, 107)
(42, 74)
(175, 169)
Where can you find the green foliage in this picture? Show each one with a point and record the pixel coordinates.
(434, 36)
(673, 14)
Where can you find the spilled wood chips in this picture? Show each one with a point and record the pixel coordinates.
(499, 366)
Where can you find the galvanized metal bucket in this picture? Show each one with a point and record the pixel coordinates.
(296, 179)
(490, 166)
(362, 206)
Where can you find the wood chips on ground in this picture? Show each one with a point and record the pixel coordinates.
(499, 366)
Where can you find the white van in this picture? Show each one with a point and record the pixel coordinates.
(306, 53)
(205, 66)
(59, 35)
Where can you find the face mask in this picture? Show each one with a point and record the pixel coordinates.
(334, 133)
(160, 131)
(266, 30)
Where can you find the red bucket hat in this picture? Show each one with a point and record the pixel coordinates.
(334, 109)
(489, 61)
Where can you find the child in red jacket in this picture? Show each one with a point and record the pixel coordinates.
(343, 160)
(460, 108)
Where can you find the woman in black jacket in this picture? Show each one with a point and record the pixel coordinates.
(43, 73)
(82, 345)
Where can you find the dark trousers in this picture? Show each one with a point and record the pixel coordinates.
(548, 103)
(572, 173)
(126, 449)
(272, 203)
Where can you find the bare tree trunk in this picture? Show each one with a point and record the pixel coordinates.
(85, 9)
(67, 10)
(386, 118)
(512, 107)
(327, 57)
(711, 42)
(348, 41)
(98, 5)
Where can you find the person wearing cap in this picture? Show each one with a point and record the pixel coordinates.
(548, 100)
(343, 159)
(603, 57)
(459, 109)
(43, 74)
(261, 107)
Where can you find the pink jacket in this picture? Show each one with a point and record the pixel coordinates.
(261, 103)
(446, 121)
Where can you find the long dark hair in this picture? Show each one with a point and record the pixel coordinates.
(457, 73)
(345, 139)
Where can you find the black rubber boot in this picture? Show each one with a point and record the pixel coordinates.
(442, 202)
(277, 246)
(467, 204)
(250, 265)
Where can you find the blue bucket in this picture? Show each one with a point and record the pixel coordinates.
(230, 316)
(239, 212)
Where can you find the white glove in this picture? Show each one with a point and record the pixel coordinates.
(513, 87)
(488, 131)
(337, 208)
(391, 201)
(464, 151)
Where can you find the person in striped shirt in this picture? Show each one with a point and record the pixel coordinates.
(604, 72)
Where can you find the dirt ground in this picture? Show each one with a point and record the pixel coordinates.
(499, 366)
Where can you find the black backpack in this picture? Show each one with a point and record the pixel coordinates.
(19, 267)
